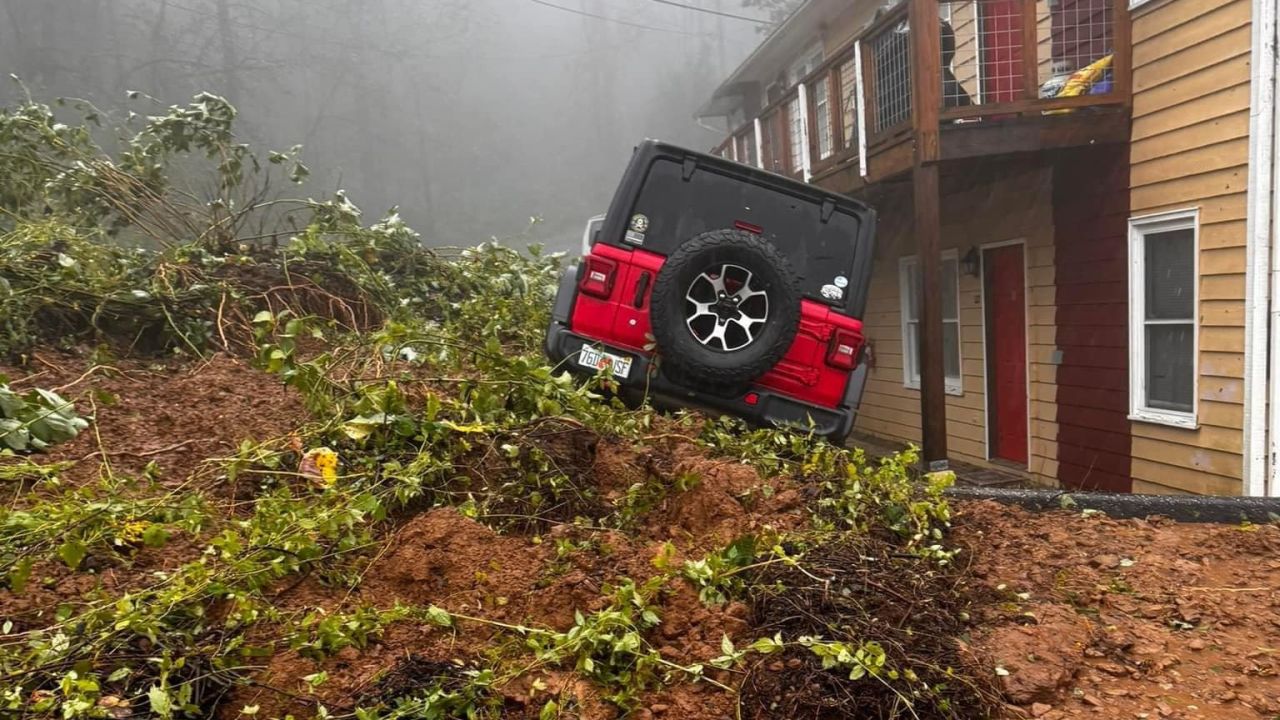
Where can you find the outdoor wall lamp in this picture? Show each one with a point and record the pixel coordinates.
(971, 262)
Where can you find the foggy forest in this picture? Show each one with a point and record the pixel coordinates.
(470, 116)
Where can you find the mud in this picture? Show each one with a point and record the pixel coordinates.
(1073, 616)
(442, 558)
(173, 416)
(172, 413)
(1128, 618)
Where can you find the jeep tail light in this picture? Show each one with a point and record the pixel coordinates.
(597, 276)
(844, 349)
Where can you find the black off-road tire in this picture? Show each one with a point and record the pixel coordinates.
(687, 360)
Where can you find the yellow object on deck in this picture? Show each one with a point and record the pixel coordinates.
(1082, 80)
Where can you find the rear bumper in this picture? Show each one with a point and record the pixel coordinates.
(769, 409)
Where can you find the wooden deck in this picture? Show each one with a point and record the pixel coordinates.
(985, 82)
(883, 101)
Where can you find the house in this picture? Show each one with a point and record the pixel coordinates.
(1078, 225)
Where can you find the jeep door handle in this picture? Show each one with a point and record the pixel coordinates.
(641, 287)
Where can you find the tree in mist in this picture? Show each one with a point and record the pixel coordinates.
(775, 10)
(472, 115)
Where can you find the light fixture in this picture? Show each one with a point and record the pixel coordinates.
(971, 262)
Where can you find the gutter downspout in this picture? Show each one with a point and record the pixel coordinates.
(1273, 56)
(802, 97)
(1262, 266)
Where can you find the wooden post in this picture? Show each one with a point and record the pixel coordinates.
(1030, 50)
(926, 77)
(1122, 61)
(933, 402)
(926, 104)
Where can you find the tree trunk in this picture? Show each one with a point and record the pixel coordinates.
(230, 58)
(15, 26)
(159, 47)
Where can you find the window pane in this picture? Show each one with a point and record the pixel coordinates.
(913, 291)
(949, 280)
(911, 351)
(822, 108)
(1170, 270)
(1170, 367)
(794, 138)
(848, 96)
(951, 349)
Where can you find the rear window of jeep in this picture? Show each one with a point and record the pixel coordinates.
(822, 253)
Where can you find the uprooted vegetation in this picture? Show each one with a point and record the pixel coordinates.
(314, 469)
(440, 525)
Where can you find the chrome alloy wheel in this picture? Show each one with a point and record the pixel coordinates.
(724, 310)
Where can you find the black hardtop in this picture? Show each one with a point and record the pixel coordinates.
(828, 237)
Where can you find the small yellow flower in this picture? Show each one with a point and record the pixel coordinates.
(131, 531)
(320, 464)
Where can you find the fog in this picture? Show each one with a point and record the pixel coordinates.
(472, 116)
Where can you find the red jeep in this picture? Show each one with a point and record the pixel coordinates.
(719, 286)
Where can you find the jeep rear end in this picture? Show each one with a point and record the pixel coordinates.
(719, 286)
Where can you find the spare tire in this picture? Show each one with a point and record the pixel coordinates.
(725, 308)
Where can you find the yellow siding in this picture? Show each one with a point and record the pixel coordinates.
(1017, 207)
(964, 23)
(1190, 149)
(1044, 50)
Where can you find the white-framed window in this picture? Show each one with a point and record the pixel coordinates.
(849, 98)
(808, 62)
(1163, 307)
(795, 136)
(909, 284)
(822, 108)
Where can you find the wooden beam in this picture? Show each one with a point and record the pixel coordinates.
(890, 160)
(1030, 51)
(926, 104)
(1122, 63)
(1036, 134)
(926, 77)
(928, 233)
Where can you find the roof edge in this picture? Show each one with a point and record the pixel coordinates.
(726, 86)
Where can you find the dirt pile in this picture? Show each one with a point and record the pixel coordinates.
(151, 418)
(173, 413)
(1062, 615)
(442, 558)
(901, 610)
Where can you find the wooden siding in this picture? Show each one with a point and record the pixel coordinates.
(1091, 230)
(964, 23)
(1015, 207)
(1190, 149)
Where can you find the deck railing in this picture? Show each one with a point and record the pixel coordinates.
(774, 140)
(999, 60)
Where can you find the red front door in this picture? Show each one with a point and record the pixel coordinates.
(1006, 352)
(1002, 77)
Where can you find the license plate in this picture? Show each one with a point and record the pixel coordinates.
(597, 359)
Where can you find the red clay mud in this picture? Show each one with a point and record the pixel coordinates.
(1128, 618)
